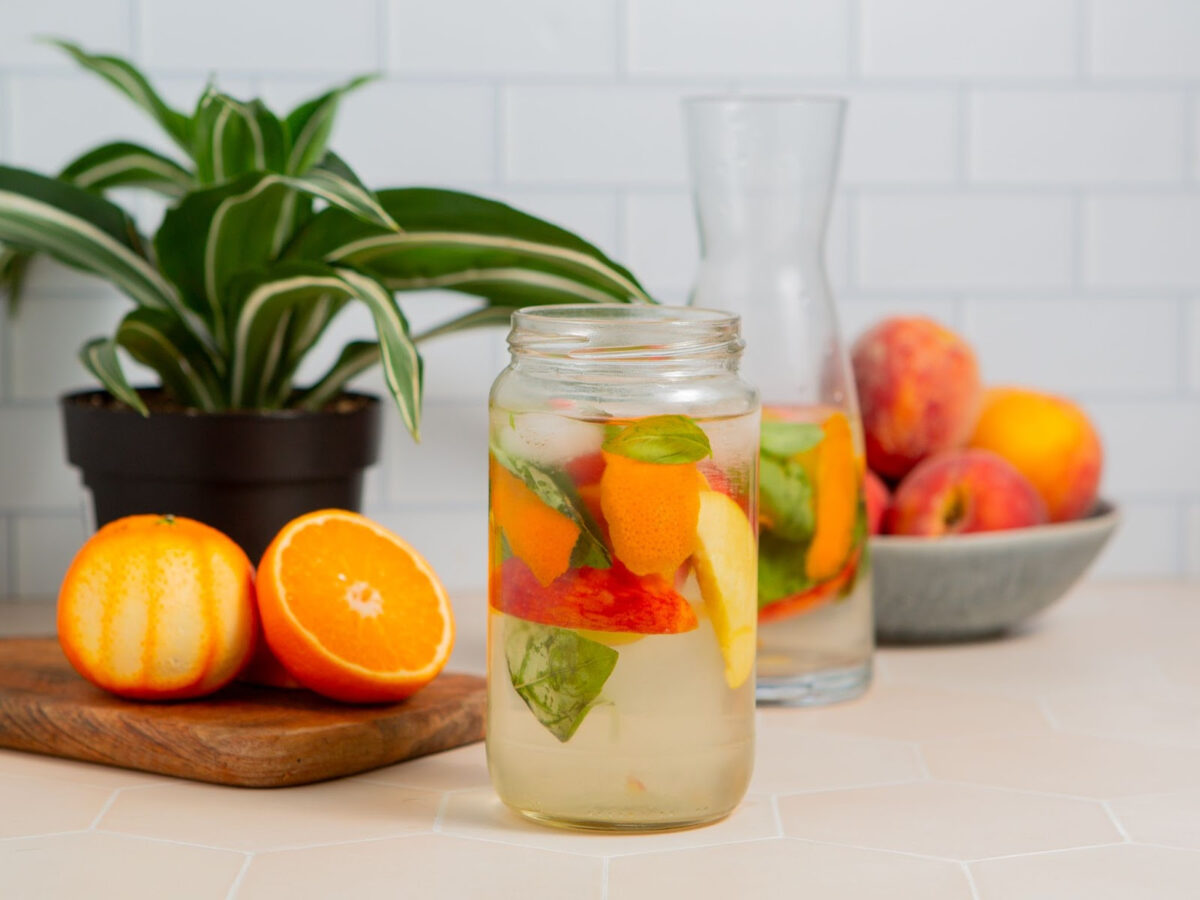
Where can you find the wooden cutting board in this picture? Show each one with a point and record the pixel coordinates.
(245, 735)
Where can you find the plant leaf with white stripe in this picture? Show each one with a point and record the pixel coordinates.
(82, 230)
(310, 123)
(133, 84)
(99, 356)
(466, 243)
(122, 164)
(476, 318)
(355, 358)
(232, 138)
(157, 339)
(263, 303)
(219, 233)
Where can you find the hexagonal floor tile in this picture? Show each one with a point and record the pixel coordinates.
(1065, 764)
(914, 713)
(1099, 873)
(40, 806)
(954, 821)
(787, 761)
(13, 762)
(1124, 713)
(451, 770)
(480, 814)
(241, 819)
(785, 868)
(69, 866)
(430, 866)
(1172, 819)
(1024, 666)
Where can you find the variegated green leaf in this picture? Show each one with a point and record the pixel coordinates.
(264, 302)
(477, 318)
(14, 267)
(99, 356)
(122, 164)
(335, 182)
(355, 358)
(232, 138)
(158, 340)
(133, 84)
(470, 244)
(310, 124)
(403, 368)
(82, 230)
(216, 234)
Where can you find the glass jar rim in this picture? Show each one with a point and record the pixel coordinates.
(624, 332)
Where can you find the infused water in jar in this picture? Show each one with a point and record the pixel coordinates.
(622, 607)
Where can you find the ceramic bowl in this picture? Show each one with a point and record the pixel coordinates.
(979, 585)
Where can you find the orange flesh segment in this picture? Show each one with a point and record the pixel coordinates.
(541, 536)
(354, 590)
(836, 501)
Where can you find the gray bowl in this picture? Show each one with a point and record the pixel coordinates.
(978, 585)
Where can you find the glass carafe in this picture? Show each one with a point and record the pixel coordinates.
(763, 171)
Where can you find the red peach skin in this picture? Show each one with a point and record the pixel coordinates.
(878, 497)
(961, 492)
(597, 599)
(919, 388)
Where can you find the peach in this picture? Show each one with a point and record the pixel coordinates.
(918, 385)
(964, 491)
(878, 497)
(1050, 441)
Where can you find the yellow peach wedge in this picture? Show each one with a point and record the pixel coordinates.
(726, 568)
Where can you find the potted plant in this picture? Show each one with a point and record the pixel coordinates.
(270, 235)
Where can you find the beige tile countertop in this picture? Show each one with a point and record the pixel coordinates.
(1062, 762)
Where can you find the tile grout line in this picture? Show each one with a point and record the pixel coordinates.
(499, 133)
(970, 876)
(382, 35)
(1083, 39)
(621, 41)
(112, 798)
(240, 877)
(1026, 853)
(135, 29)
(1112, 815)
(776, 815)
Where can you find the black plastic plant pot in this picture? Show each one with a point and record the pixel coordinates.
(244, 473)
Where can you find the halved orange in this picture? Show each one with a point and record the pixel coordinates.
(351, 610)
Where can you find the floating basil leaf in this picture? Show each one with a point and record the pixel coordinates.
(784, 439)
(665, 440)
(781, 570)
(557, 492)
(557, 672)
(785, 498)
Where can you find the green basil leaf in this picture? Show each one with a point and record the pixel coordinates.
(784, 439)
(781, 570)
(785, 498)
(665, 440)
(557, 672)
(557, 492)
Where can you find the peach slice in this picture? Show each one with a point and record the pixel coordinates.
(727, 570)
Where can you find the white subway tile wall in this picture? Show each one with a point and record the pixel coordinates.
(1026, 171)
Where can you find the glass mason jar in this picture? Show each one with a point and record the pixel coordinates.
(622, 614)
(763, 171)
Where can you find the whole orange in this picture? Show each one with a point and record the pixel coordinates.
(1050, 441)
(158, 608)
